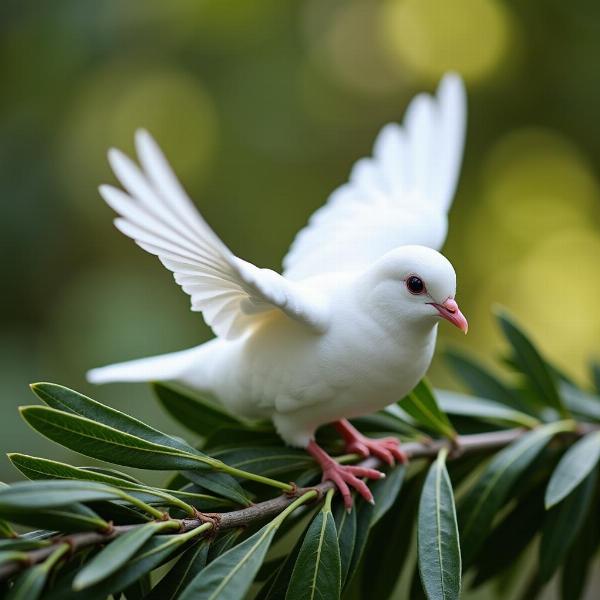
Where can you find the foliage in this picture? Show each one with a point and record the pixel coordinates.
(520, 458)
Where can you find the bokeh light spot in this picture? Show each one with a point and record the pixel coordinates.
(430, 37)
(121, 98)
(344, 41)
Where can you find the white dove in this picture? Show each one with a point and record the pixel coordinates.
(350, 326)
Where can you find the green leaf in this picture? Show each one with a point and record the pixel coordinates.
(6, 531)
(573, 468)
(241, 437)
(117, 553)
(562, 524)
(70, 401)
(224, 542)
(394, 530)
(509, 539)
(108, 432)
(221, 484)
(30, 584)
(392, 419)
(198, 415)
(368, 514)
(153, 553)
(596, 375)
(437, 535)
(580, 556)
(42, 468)
(421, 405)
(385, 491)
(276, 586)
(19, 543)
(188, 565)
(92, 438)
(487, 410)
(482, 382)
(7, 556)
(265, 461)
(580, 402)
(480, 505)
(539, 375)
(346, 532)
(66, 519)
(231, 574)
(317, 572)
(31, 495)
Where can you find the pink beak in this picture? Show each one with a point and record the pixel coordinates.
(449, 310)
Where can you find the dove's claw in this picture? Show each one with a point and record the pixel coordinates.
(343, 476)
(385, 449)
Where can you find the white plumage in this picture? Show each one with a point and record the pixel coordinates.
(340, 333)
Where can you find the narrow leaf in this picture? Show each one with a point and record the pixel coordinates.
(579, 402)
(421, 405)
(394, 530)
(117, 553)
(385, 491)
(482, 382)
(197, 414)
(67, 400)
(224, 542)
(509, 539)
(539, 375)
(153, 553)
(42, 468)
(368, 514)
(103, 442)
(486, 410)
(276, 586)
(480, 505)
(66, 519)
(573, 468)
(576, 567)
(317, 571)
(30, 584)
(562, 524)
(596, 375)
(346, 531)
(231, 574)
(221, 484)
(48, 494)
(437, 535)
(265, 461)
(188, 565)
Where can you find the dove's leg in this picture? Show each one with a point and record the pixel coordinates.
(343, 475)
(386, 449)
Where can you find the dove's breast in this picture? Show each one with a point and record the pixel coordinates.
(303, 380)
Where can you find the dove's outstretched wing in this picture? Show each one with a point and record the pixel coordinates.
(399, 196)
(232, 294)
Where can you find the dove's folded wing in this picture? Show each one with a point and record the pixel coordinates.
(232, 294)
(399, 196)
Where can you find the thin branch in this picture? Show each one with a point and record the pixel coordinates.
(466, 444)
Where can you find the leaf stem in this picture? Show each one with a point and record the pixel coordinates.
(286, 487)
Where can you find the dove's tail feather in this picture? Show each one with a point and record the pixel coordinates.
(167, 367)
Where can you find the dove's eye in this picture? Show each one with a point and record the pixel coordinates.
(415, 285)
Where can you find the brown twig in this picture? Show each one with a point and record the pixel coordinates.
(466, 444)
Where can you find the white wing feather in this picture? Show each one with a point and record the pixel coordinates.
(399, 196)
(232, 294)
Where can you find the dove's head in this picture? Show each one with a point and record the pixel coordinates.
(415, 284)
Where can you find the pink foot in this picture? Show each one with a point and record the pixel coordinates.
(344, 476)
(386, 449)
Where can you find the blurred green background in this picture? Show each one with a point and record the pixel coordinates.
(262, 107)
